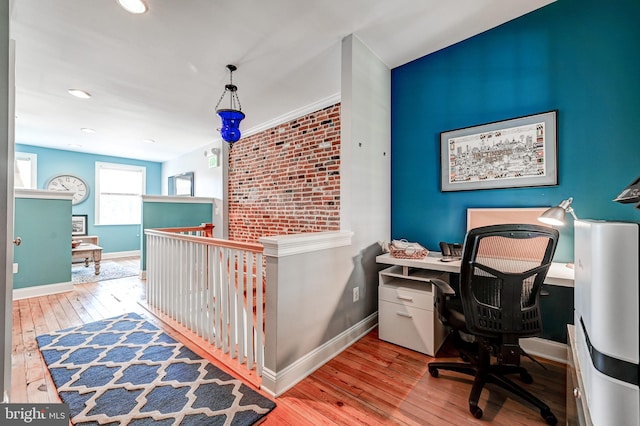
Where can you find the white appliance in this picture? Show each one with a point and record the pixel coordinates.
(606, 318)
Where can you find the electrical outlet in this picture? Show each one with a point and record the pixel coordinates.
(356, 294)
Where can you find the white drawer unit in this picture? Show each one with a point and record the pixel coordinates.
(406, 314)
(577, 409)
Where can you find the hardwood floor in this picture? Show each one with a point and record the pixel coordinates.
(370, 383)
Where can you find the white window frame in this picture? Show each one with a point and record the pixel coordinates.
(115, 166)
(33, 159)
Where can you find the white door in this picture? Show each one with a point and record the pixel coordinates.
(7, 153)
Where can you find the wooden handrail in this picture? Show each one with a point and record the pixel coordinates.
(206, 228)
(174, 233)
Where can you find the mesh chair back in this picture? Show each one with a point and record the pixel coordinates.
(503, 268)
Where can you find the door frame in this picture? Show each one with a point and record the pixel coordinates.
(7, 154)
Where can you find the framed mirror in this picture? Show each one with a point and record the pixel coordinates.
(181, 184)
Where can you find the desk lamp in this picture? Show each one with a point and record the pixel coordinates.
(556, 216)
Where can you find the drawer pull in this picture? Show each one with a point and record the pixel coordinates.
(402, 314)
(576, 393)
(406, 298)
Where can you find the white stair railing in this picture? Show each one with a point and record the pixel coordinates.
(212, 287)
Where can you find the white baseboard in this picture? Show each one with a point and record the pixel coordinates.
(545, 348)
(276, 383)
(41, 290)
(119, 254)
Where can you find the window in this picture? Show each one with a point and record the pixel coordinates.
(25, 170)
(118, 191)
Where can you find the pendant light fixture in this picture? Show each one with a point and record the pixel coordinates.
(232, 116)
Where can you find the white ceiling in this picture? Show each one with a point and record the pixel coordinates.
(159, 75)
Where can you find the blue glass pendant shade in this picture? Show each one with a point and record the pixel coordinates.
(231, 118)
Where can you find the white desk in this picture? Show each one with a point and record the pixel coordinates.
(559, 274)
(406, 314)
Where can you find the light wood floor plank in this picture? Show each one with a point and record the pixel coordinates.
(86, 299)
(33, 370)
(47, 312)
(18, 368)
(74, 301)
(69, 311)
(58, 311)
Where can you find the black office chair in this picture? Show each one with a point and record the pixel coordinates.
(502, 271)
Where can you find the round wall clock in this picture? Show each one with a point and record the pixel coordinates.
(70, 183)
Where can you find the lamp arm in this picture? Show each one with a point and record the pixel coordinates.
(570, 211)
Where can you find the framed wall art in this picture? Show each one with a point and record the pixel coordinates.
(79, 224)
(519, 152)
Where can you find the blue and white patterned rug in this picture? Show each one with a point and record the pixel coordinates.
(109, 270)
(124, 370)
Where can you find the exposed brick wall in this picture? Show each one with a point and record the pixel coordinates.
(286, 180)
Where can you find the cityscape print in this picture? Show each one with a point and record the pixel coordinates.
(511, 153)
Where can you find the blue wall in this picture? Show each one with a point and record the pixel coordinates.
(172, 214)
(579, 57)
(44, 257)
(113, 238)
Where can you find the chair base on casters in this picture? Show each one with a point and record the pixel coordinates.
(494, 374)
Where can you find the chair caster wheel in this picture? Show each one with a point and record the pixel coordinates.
(548, 417)
(476, 411)
(526, 378)
(433, 372)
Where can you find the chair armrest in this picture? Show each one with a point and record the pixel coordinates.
(443, 287)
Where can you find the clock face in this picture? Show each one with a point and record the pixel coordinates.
(70, 183)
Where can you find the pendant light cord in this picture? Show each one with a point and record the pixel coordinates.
(233, 97)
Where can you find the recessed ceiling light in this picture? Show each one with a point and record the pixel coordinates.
(88, 130)
(148, 141)
(79, 93)
(133, 6)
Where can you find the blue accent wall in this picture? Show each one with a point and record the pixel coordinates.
(44, 257)
(51, 162)
(579, 57)
(156, 214)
